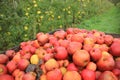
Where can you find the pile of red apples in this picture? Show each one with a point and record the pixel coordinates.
(71, 54)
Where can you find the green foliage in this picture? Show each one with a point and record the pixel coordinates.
(20, 20)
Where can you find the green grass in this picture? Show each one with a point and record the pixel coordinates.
(106, 22)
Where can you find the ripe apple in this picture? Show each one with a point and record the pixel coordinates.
(106, 62)
(17, 57)
(89, 40)
(81, 58)
(22, 64)
(29, 76)
(11, 66)
(55, 74)
(72, 67)
(69, 30)
(3, 58)
(107, 75)
(100, 40)
(73, 47)
(72, 75)
(64, 43)
(88, 74)
(61, 52)
(108, 39)
(115, 49)
(43, 38)
(3, 69)
(40, 52)
(104, 47)
(6, 77)
(87, 47)
(77, 38)
(95, 54)
(48, 56)
(91, 66)
(35, 44)
(61, 34)
(51, 64)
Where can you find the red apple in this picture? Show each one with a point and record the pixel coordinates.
(43, 38)
(51, 64)
(64, 43)
(73, 47)
(91, 66)
(100, 40)
(61, 52)
(72, 67)
(11, 66)
(17, 57)
(107, 75)
(6, 77)
(87, 47)
(3, 69)
(106, 62)
(3, 58)
(61, 34)
(10, 53)
(29, 76)
(77, 38)
(22, 64)
(69, 30)
(115, 49)
(108, 39)
(95, 54)
(55, 74)
(88, 74)
(72, 75)
(35, 44)
(47, 57)
(81, 58)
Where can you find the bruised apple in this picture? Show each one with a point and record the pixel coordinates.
(81, 58)
(107, 75)
(55, 74)
(72, 75)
